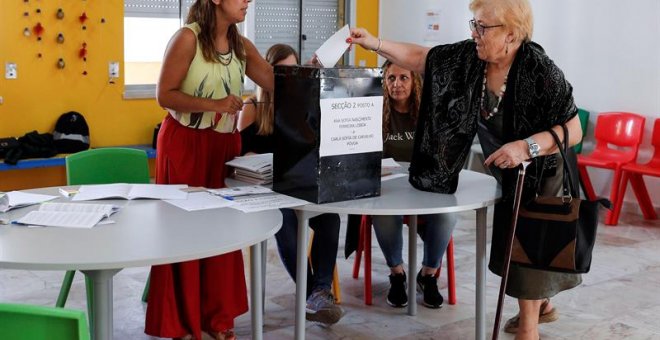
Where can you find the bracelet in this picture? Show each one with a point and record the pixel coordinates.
(380, 43)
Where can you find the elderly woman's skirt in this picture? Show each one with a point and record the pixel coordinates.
(528, 283)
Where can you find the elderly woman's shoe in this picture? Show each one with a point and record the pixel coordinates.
(511, 325)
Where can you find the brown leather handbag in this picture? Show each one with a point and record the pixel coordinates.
(558, 233)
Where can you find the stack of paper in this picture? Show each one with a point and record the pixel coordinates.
(389, 170)
(18, 199)
(131, 191)
(235, 192)
(69, 215)
(255, 169)
(256, 198)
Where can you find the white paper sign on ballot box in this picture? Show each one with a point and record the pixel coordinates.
(351, 125)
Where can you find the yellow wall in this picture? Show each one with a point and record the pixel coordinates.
(42, 91)
(367, 17)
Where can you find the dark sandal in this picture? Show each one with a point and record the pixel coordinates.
(511, 325)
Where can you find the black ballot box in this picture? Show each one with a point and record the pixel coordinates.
(328, 132)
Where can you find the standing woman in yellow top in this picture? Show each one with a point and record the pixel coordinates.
(200, 86)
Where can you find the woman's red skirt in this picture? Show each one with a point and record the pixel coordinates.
(206, 294)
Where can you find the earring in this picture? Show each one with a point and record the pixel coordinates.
(506, 52)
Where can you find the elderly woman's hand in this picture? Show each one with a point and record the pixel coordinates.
(510, 155)
(363, 38)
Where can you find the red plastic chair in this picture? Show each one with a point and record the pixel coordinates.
(634, 172)
(364, 245)
(623, 130)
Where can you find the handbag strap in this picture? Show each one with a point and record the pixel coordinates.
(563, 149)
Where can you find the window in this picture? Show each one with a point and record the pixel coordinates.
(279, 21)
(148, 26)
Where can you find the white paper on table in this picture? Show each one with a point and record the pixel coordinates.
(391, 177)
(159, 191)
(69, 215)
(235, 192)
(130, 191)
(389, 163)
(273, 201)
(333, 48)
(18, 199)
(200, 201)
(351, 125)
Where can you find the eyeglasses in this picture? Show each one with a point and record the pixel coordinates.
(479, 28)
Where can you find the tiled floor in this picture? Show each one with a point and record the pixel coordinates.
(619, 299)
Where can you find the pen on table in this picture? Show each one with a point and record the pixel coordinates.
(227, 197)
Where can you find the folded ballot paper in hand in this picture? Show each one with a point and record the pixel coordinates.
(131, 191)
(18, 199)
(68, 215)
(333, 48)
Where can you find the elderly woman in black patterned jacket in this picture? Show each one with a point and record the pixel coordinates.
(503, 87)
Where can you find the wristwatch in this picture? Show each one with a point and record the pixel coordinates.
(533, 147)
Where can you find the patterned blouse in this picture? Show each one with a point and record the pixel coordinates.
(211, 80)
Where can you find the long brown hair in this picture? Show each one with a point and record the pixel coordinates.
(415, 98)
(203, 13)
(264, 117)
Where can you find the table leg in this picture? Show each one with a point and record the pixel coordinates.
(412, 264)
(256, 310)
(102, 307)
(481, 274)
(301, 273)
(264, 260)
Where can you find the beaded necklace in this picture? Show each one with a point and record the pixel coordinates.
(487, 115)
(224, 59)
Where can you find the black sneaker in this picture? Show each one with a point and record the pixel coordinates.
(428, 285)
(397, 296)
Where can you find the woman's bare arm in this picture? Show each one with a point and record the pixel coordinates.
(406, 55)
(258, 69)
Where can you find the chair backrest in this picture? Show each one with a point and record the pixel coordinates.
(28, 322)
(584, 122)
(655, 141)
(107, 165)
(622, 129)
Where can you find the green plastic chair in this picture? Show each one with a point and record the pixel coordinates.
(584, 121)
(102, 166)
(29, 322)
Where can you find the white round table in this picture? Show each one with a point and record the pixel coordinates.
(145, 233)
(475, 191)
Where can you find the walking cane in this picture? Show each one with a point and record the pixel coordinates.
(509, 245)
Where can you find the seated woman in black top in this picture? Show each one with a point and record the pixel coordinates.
(256, 123)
